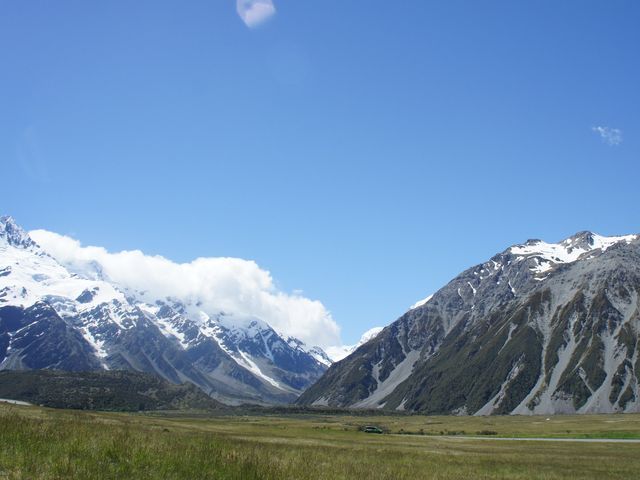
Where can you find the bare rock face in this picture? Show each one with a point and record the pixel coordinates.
(538, 329)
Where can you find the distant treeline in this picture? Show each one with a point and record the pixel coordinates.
(102, 390)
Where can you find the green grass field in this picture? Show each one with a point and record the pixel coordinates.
(38, 443)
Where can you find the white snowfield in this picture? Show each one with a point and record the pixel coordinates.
(35, 275)
(565, 251)
(340, 352)
(420, 303)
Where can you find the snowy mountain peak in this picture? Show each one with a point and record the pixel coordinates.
(533, 241)
(369, 335)
(584, 239)
(338, 353)
(420, 303)
(13, 234)
(75, 317)
(568, 250)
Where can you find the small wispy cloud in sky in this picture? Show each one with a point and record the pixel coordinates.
(30, 156)
(610, 136)
(255, 12)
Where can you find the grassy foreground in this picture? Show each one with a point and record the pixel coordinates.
(37, 443)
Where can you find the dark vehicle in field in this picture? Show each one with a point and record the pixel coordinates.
(371, 429)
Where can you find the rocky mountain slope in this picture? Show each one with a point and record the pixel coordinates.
(54, 318)
(538, 329)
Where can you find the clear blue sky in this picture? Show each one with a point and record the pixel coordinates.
(364, 152)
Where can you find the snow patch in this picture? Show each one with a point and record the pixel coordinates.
(512, 327)
(546, 255)
(473, 289)
(339, 352)
(169, 331)
(422, 302)
(250, 365)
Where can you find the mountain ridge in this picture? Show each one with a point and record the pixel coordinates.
(520, 333)
(232, 358)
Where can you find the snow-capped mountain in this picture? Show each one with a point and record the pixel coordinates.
(420, 303)
(338, 353)
(540, 328)
(51, 317)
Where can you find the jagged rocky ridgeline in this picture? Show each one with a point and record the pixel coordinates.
(53, 318)
(538, 329)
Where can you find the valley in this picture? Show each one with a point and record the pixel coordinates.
(311, 446)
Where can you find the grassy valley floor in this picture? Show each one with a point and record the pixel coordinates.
(39, 443)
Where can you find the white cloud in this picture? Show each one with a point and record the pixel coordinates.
(610, 136)
(232, 285)
(255, 12)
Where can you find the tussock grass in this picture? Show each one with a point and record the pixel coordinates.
(37, 443)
